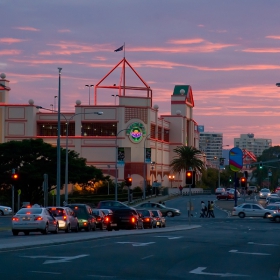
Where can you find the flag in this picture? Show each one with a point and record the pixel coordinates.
(119, 49)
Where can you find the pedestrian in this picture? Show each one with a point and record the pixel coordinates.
(181, 190)
(211, 211)
(202, 209)
(208, 209)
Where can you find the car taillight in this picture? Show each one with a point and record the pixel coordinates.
(85, 223)
(98, 219)
(38, 218)
(133, 220)
(107, 219)
(64, 218)
(15, 219)
(147, 219)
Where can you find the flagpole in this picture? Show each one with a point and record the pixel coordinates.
(124, 69)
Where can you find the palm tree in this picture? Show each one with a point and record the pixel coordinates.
(187, 158)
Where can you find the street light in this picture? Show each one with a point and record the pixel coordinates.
(116, 167)
(54, 102)
(66, 156)
(171, 179)
(89, 86)
(51, 106)
(145, 168)
(58, 141)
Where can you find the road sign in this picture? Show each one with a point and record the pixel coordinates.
(235, 159)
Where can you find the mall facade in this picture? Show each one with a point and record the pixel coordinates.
(130, 138)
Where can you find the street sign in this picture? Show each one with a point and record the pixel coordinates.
(235, 159)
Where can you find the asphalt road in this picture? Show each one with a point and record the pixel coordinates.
(231, 248)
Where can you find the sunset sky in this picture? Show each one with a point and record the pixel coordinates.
(228, 51)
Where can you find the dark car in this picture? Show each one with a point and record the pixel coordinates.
(112, 204)
(148, 218)
(225, 195)
(166, 211)
(100, 218)
(160, 220)
(125, 219)
(86, 219)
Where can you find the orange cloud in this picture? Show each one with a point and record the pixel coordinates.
(27, 28)
(186, 41)
(273, 37)
(262, 50)
(11, 40)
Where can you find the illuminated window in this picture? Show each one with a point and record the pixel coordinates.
(99, 129)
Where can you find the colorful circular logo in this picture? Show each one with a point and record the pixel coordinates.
(135, 132)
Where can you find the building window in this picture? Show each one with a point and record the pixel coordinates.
(50, 129)
(159, 133)
(153, 131)
(99, 129)
(166, 135)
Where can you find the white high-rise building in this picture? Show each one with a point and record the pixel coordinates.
(211, 143)
(255, 145)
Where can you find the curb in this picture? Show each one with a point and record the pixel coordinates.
(75, 239)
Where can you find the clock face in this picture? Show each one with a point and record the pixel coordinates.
(136, 131)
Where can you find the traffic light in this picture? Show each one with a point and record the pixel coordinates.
(189, 177)
(128, 181)
(230, 178)
(15, 176)
(261, 165)
(243, 181)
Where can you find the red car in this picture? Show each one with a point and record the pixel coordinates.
(225, 195)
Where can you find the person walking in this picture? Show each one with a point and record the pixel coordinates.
(202, 209)
(208, 209)
(211, 211)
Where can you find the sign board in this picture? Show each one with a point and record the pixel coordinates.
(156, 185)
(235, 159)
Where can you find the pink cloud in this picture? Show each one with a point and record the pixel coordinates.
(11, 40)
(10, 52)
(262, 50)
(42, 61)
(273, 37)
(27, 28)
(186, 41)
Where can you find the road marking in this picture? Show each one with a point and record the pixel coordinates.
(102, 276)
(136, 244)
(147, 257)
(46, 272)
(199, 270)
(170, 237)
(253, 243)
(56, 259)
(248, 253)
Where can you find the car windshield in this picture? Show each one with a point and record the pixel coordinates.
(28, 211)
(80, 211)
(57, 212)
(264, 190)
(144, 212)
(155, 213)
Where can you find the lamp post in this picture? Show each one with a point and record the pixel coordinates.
(89, 86)
(67, 134)
(58, 142)
(54, 102)
(108, 180)
(51, 107)
(171, 179)
(145, 169)
(116, 167)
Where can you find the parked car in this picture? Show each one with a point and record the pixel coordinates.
(250, 210)
(219, 190)
(125, 219)
(112, 204)
(166, 211)
(100, 218)
(66, 218)
(160, 220)
(5, 210)
(85, 217)
(232, 191)
(225, 195)
(148, 218)
(264, 193)
(34, 219)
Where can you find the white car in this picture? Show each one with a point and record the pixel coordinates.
(220, 190)
(5, 210)
(34, 219)
(251, 210)
(264, 193)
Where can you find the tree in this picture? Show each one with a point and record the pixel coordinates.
(186, 158)
(32, 158)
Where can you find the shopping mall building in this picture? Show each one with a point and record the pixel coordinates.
(130, 138)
